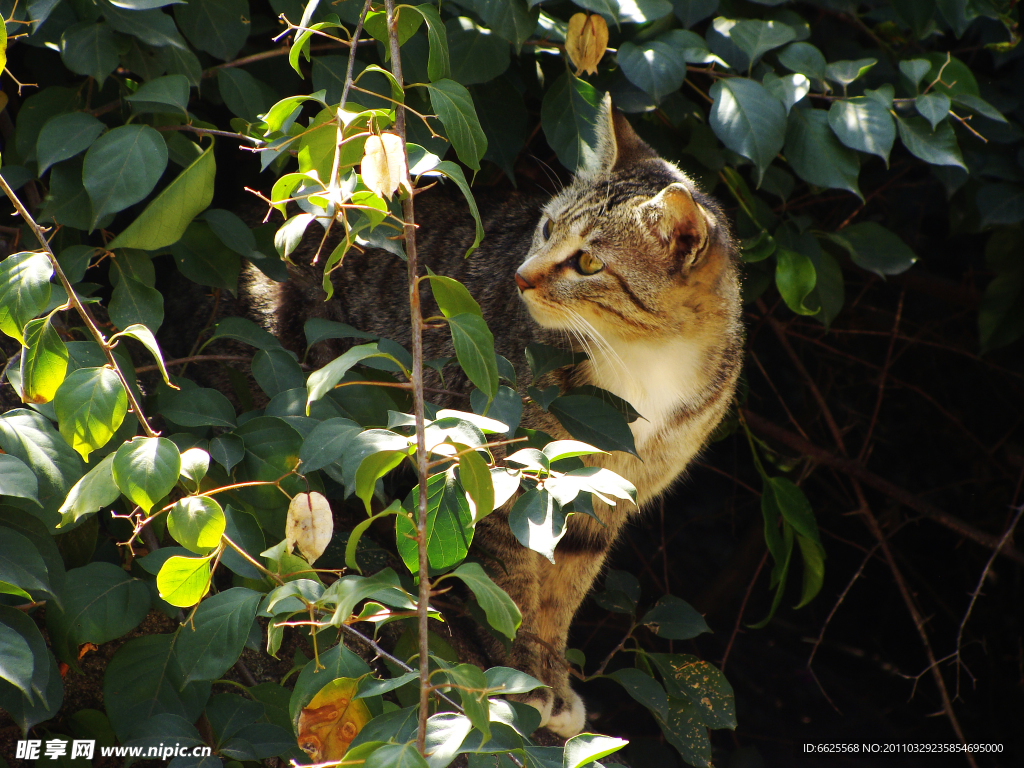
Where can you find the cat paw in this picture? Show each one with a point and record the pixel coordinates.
(569, 716)
(543, 705)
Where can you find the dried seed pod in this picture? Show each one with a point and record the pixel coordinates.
(310, 525)
(586, 41)
(383, 165)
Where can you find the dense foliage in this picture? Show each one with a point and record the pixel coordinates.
(121, 499)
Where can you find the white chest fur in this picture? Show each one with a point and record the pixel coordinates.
(656, 378)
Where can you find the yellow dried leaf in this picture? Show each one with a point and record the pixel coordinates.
(586, 41)
(383, 165)
(310, 524)
(331, 720)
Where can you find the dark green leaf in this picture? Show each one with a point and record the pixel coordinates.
(703, 684)
(795, 277)
(509, 18)
(644, 689)
(194, 406)
(438, 66)
(122, 167)
(817, 156)
(474, 348)
(685, 731)
(449, 524)
(594, 421)
(277, 371)
(477, 54)
(64, 136)
(90, 49)
(242, 93)
(937, 147)
(934, 107)
(675, 619)
(16, 479)
(204, 259)
(134, 302)
(1000, 204)
(502, 613)
(875, 248)
(503, 118)
(845, 72)
(748, 120)
(326, 443)
(143, 679)
(655, 67)
(222, 624)
(755, 37)
(544, 358)
(31, 437)
(227, 450)
(219, 27)
(804, 59)
(45, 684)
(22, 569)
(245, 330)
(863, 124)
(16, 660)
(454, 172)
(568, 115)
(101, 603)
(454, 106)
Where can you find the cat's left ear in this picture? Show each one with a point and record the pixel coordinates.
(680, 222)
(618, 146)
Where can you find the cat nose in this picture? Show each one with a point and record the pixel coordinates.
(522, 282)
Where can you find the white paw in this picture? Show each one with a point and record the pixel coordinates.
(542, 705)
(570, 720)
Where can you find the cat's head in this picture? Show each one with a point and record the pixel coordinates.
(631, 246)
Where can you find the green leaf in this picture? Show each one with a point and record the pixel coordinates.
(376, 25)
(544, 358)
(755, 37)
(586, 748)
(31, 437)
(748, 120)
(914, 70)
(326, 443)
(510, 681)
(203, 258)
(655, 67)
(133, 302)
(804, 59)
(321, 381)
(45, 685)
(644, 689)
(475, 477)
(244, 531)
(24, 291)
(594, 422)
(454, 106)
(452, 297)
(817, 156)
(146, 469)
(472, 686)
(16, 479)
(703, 684)
(242, 93)
(219, 27)
(90, 404)
(937, 146)
(568, 115)
(1000, 204)
(684, 730)
(795, 278)
(538, 522)
(474, 348)
(194, 406)
(675, 619)
(22, 569)
(90, 49)
(159, 94)
(813, 554)
(122, 167)
(145, 336)
(196, 522)
(64, 136)
(477, 54)
(438, 64)
(277, 371)
(875, 248)
(454, 172)
(222, 624)
(863, 124)
(144, 679)
(978, 105)
(512, 20)
(395, 755)
(92, 493)
(43, 363)
(195, 463)
(150, 26)
(166, 218)
(933, 106)
(503, 117)
(101, 603)
(17, 662)
(245, 330)
(182, 581)
(227, 450)
(449, 524)
(788, 89)
(846, 72)
(348, 591)
(373, 468)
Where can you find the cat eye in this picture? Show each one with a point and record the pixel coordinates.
(587, 263)
(546, 229)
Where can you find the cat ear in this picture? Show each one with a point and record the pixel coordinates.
(680, 222)
(618, 146)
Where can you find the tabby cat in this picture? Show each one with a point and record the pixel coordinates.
(632, 264)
